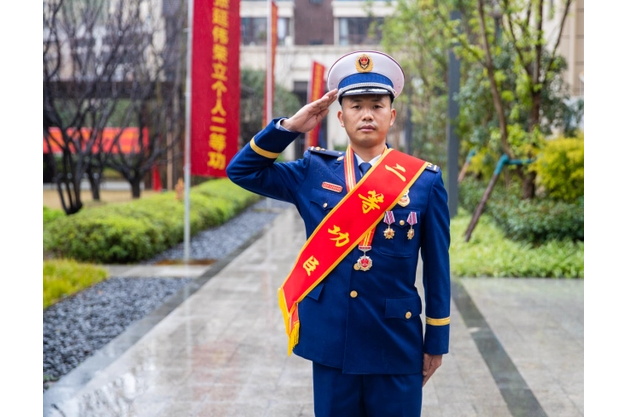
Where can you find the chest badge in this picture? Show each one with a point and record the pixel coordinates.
(332, 187)
(404, 200)
(412, 219)
(364, 263)
(389, 220)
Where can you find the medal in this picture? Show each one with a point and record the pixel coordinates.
(364, 263)
(389, 219)
(412, 219)
(404, 200)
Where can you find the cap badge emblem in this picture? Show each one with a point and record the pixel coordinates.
(364, 63)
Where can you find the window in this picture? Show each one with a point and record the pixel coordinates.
(360, 30)
(283, 29)
(254, 30)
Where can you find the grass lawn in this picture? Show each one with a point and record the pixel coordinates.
(490, 254)
(63, 277)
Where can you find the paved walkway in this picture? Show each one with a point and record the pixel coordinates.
(219, 349)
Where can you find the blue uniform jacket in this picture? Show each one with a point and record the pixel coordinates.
(363, 322)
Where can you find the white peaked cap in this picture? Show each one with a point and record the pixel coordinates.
(366, 72)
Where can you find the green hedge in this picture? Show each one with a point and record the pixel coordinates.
(138, 230)
(50, 214)
(540, 221)
(534, 221)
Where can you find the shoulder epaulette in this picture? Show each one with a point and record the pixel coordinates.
(327, 152)
(432, 167)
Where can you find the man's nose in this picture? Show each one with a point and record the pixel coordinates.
(367, 114)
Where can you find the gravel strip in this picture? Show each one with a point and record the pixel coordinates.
(76, 327)
(218, 242)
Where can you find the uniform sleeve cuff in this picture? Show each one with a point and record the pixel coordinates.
(436, 339)
(271, 141)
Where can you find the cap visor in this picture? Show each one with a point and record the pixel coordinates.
(366, 90)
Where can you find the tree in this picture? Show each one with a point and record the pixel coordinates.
(412, 34)
(512, 91)
(251, 107)
(104, 60)
(155, 95)
(76, 76)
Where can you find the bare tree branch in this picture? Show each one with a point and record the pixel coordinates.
(497, 99)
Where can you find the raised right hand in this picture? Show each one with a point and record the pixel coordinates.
(311, 114)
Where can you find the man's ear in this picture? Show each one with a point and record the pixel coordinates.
(393, 117)
(340, 117)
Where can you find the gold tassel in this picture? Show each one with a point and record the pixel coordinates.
(292, 334)
(283, 308)
(293, 338)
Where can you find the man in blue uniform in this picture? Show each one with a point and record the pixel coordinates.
(350, 303)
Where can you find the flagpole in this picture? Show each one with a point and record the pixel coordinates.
(187, 167)
(268, 72)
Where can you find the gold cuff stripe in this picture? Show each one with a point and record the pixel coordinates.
(438, 322)
(263, 152)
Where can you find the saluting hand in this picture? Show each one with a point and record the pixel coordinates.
(431, 363)
(311, 114)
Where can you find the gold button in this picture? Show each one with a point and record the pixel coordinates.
(353, 294)
(325, 205)
(401, 222)
(408, 315)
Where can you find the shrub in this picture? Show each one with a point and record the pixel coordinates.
(224, 191)
(50, 214)
(483, 163)
(534, 221)
(471, 191)
(490, 254)
(560, 168)
(540, 220)
(138, 230)
(63, 277)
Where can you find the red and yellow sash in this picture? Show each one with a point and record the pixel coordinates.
(351, 222)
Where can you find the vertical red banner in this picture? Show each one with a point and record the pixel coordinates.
(156, 179)
(214, 86)
(316, 91)
(269, 90)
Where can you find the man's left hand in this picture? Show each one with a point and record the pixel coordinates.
(431, 363)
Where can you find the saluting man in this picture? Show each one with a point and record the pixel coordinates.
(350, 302)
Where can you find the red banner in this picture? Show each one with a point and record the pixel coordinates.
(128, 141)
(156, 178)
(316, 91)
(269, 91)
(214, 86)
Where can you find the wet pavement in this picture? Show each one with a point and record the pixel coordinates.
(218, 347)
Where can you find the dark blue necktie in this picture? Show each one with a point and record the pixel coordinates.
(364, 166)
